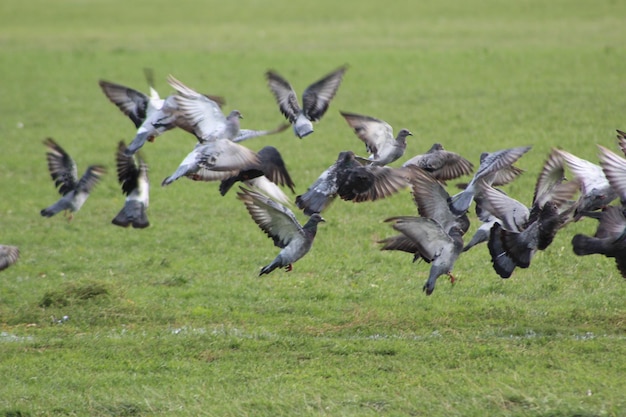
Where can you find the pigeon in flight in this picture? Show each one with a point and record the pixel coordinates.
(74, 192)
(279, 223)
(315, 99)
(378, 137)
(132, 174)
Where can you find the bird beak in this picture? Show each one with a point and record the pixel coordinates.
(322, 219)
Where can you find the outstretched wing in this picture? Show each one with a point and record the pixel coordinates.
(61, 166)
(132, 103)
(285, 95)
(317, 96)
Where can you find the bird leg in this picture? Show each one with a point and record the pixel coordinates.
(452, 279)
(289, 268)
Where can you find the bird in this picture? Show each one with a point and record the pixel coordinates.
(279, 223)
(151, 115)
(490, 164)
(8, 256)
(596, 192)
(431, 200)
(520, 231)
(378, 137)
(315, 99)
(132, 174)
(437, 246)
(74, 192)
(441, 164)
(206, 117)
(213, 161)
(352, 181)
(264, 176)
(609, 239)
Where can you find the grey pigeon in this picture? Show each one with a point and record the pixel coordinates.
(132, 174)
(315, 99)
(8, 256)
(378, 137)
(271, 166)
(151, 115)
(441, 164)
(213, 161)
(279, 223)
(435, 245)
(207, 119)
(596, 192)
(431, 200)
(490, 164)
(487, 221)
(520, 231)
(609, 239)
(350, 180)
(74, 192)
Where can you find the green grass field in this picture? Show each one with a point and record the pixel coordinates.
(173, 320)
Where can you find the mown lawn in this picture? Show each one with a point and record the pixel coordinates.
(96, 320)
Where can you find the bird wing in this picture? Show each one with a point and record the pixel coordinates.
(498, 160)
(285, 95)
(512, 214)
(274, 168)
(276, 220)
(317, 96)
(550, 184)
(614, 168)
(132, 103)
(589, 174)
(370, 183)
(204, 114)
(245, 134)
(431, 198)
(612, 224)
(375, 133)
(8, 256)
(442, 165)
(427, 234)
(90, 178)
(127, 169)
(61, 166)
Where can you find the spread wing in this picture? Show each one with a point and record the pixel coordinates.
(285, 95)
(276, 220)
(375, 133)
(132, 103)
(317, 96)
(61, 166)
(127, 169)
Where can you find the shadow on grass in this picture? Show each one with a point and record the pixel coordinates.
(73, 292)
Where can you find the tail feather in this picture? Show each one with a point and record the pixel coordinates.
(585, 245)
(136, 144)
(276, 263)
(502, 263)
(460, 202)
(313, 202)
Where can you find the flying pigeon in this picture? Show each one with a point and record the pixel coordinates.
(431, 200)
(63, 171)
(520, 231)
(435, 245)
(490, 164)
(132, 174)
(279, 223)
(8, 256)
(609, 239)
(207, 119)
(441, 164)
(151, 115)
(264, 176)
(214, 160)
(350, 180)
(378, 137)
(315, 99)
(596, 192)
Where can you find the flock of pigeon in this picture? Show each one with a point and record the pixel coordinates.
(514, 232)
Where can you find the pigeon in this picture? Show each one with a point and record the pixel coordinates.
(214, 160)
(207, 119)
(271, 166)
(63, 171)
(490, 164)
(315, 99)
(151, 115)
(596, 192)
(431, 200)
(609, 239)
(520, 231)
(279, 223)
(8, 256)
(132, 174)
(378, 138)
(441, 164)
(435, 245)
(350, 180)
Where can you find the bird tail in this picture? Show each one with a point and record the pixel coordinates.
(480, 236)
(182, 170)
(276, 263)
(459, 203)
(52, 210)
(313, 202)
(585, 245)
(227, 184)
(135, 215)
(429, 286)
(502, 263)
(515, 247)
(303, 127)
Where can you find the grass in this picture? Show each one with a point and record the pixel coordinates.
(173, 320)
